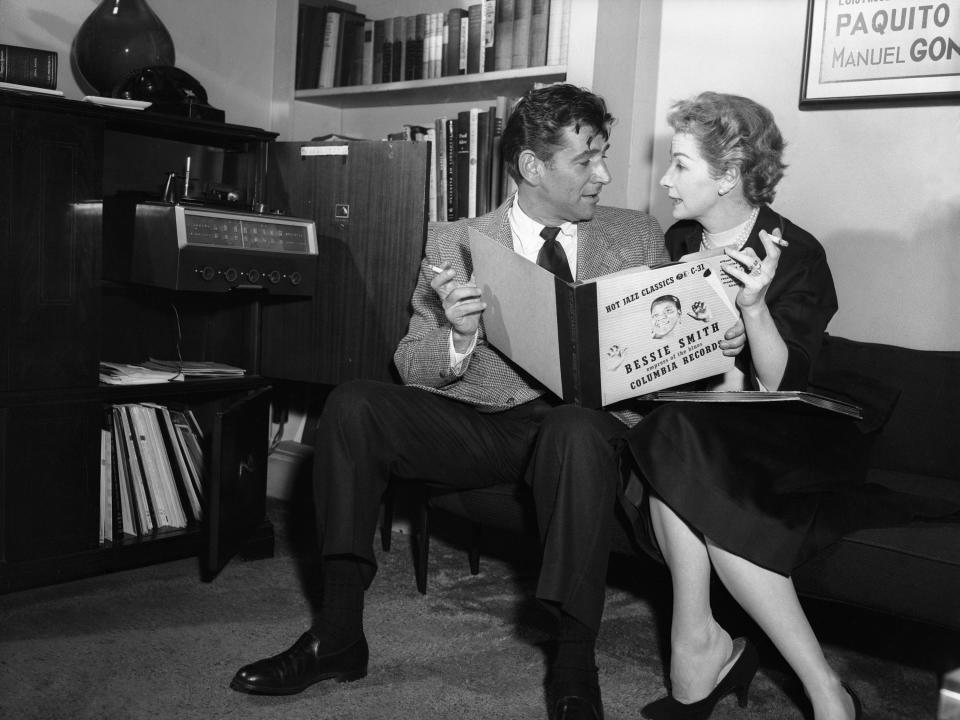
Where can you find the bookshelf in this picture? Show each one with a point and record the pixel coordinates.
(371, 111)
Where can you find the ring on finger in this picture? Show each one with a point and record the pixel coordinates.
(755, 268)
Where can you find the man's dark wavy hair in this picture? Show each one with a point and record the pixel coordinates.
(539, 117)
(734, 131)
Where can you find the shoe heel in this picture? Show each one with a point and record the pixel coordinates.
(743, 694)
(352, 675)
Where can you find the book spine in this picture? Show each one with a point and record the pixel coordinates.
(28, 66)
(366, 75)
(440, 153)
(451, 138)
(474, 145)
(387, 51)
(503, 54)
(463, 164)
(328, 58)
(577, 329)
(399, 47)
(521, 34)
(475, 47)
(486, 120)
(554, 28)
(379, 40)
(451, 65)
(539, 17)
(488, 30)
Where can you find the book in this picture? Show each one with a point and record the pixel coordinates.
(556, 27)
(539, 18)
(521, 34)
(190, 441)
(328, 56)
(454, 61)
(486, 126)
(33, 67)
(462, 164)
(142, 505)
(759, 396)
(349, 67)
(311, 22)
(158, 473)
(488, 35)
(127, 525)
(176, 454)
(440, 155)
(106, 486)
(451, 139)
(368, 53)
(386, 69)
(603, 340)
(503, 52)
(379, 47)
(475, 48)
(399, 58)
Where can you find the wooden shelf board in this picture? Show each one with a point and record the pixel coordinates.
(457, 88)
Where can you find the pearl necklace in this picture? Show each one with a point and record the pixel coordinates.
(739, 241)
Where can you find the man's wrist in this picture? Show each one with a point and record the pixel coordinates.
(461, 342)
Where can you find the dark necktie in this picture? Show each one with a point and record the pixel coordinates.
(551, 256)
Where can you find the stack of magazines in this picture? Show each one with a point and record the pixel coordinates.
(195, 368)
(113, 373)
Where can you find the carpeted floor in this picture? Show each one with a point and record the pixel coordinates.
(156, 644)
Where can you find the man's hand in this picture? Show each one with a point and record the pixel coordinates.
(462, 304)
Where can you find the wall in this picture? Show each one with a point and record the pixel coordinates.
(880, 188)
(228, 46)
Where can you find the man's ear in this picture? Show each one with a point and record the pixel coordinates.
(531, 167)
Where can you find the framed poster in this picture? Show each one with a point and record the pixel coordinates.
(894, 52)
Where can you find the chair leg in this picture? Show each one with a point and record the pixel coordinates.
(386, 519)
(421, 535)
(473, 550)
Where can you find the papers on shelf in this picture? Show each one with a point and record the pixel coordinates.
(29, 89)
(195, 368)
(126, 374)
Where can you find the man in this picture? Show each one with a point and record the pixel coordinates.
(466, 417)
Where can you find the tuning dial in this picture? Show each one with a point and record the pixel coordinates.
(295, 278)
(231, 275)
(253, 275)
(207, 272)
(274, 276)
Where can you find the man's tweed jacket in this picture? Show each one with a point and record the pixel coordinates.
(614, 239)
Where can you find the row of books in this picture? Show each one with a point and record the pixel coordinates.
(151, 471)
(28, 68)
(467, 175)
(338, 46)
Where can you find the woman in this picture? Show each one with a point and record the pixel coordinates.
(744, 489)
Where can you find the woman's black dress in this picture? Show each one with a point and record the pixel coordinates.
(770, 482)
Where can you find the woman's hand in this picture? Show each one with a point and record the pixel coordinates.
(754, 274)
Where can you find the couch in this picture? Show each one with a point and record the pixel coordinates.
(913, 403)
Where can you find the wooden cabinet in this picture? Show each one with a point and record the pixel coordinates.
(59, 159)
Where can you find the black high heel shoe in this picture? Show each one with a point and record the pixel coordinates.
(857, 706)
(737, 680)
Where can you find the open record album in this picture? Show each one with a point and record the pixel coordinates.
(600, 341)
(754, 396)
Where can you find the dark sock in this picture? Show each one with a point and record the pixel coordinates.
(339, 618)
(576, 656)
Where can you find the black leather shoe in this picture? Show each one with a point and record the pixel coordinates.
(298, 668)
(574, 701)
